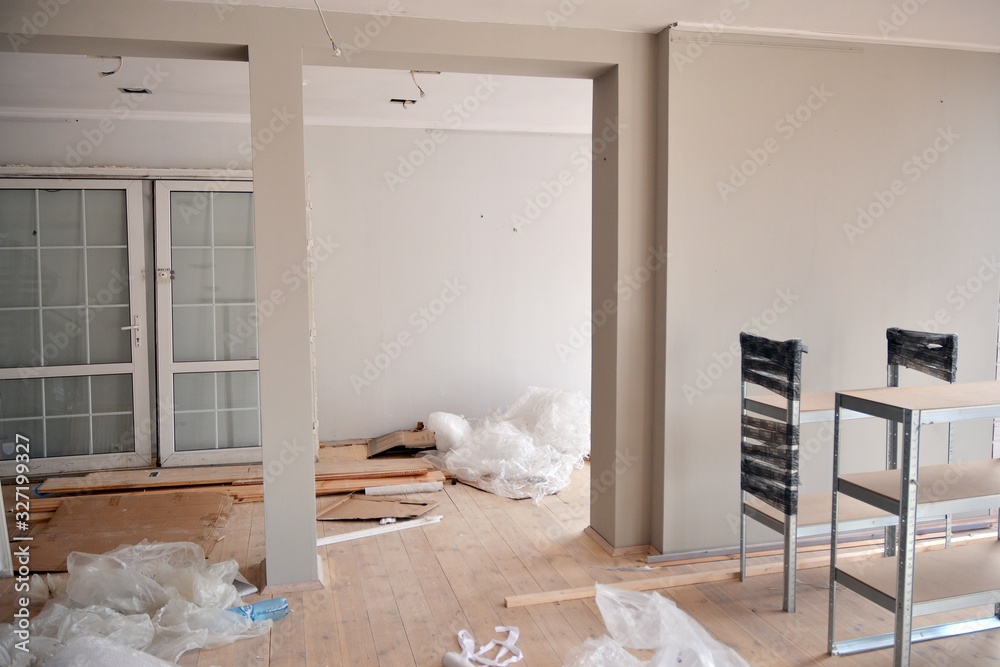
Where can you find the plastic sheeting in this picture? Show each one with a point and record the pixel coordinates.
(650, 621)
(526, 450)
(152, 599)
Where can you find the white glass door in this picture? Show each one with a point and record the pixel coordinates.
(206, 305)
(74, 369)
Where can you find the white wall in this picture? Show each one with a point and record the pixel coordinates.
(522, 295)
(784, 245)
(390, 349)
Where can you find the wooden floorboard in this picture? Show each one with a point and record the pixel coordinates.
(399, 599)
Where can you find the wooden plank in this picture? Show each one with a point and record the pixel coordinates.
(424, 636)
(365, 508)
(98, 525)
(288, 635)
(138, 479)
(236, 474)
(492, 585)
(716, 621)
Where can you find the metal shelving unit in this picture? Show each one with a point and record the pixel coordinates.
(950, 579)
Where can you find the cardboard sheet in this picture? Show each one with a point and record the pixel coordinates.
(99, 524)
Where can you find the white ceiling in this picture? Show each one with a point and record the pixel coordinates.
(967, 22)
(60, 86)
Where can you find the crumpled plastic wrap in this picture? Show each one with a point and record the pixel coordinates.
(650, 621)
(526, 450)
(157, 600)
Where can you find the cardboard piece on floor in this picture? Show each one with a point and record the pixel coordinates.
(362, 508)
(99, 524)
(418, 438)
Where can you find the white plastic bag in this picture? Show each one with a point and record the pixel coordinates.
(651, 621)
(160, 599)
(527, 450)
(601, 652)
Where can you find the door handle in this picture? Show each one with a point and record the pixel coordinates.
(134, 328)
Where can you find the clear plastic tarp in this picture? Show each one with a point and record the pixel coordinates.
(150, 601)
(527, 450)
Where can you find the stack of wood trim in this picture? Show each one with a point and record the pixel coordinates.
(244, 483)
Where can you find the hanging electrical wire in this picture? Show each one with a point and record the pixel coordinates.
(121, 61)
(336, 49)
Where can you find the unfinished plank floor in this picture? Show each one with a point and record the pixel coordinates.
(399, 599)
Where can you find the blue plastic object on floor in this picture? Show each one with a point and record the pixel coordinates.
(265, 610)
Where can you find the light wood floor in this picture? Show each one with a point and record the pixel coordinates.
(399, 599)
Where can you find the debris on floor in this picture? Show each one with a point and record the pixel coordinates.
(361, 508)
(650, 621)
(414, 440)
(149, 600)
(526, 450)
(497, 653)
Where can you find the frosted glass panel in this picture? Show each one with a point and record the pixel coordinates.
(63, 278)
(108, 343)
(18, 278)
(66, 409)
(113, 434)
(60, 215)
(193, 333)
(194, 391)
(20, 398)
(107, 276)
(19, 338)
(27, 428)
(111, 393)
(67, 436)
(233, 218)
(192, 276)
(106, 217)
(17, 218)
(238, 390)
(239, 428)
(234, 276)
(190, 219)
(237, 335)
(194, 430)
(65, 331)
(227, 401)
(67, 396)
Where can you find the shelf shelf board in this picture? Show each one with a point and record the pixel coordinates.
(944, 580)
(942, 489)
